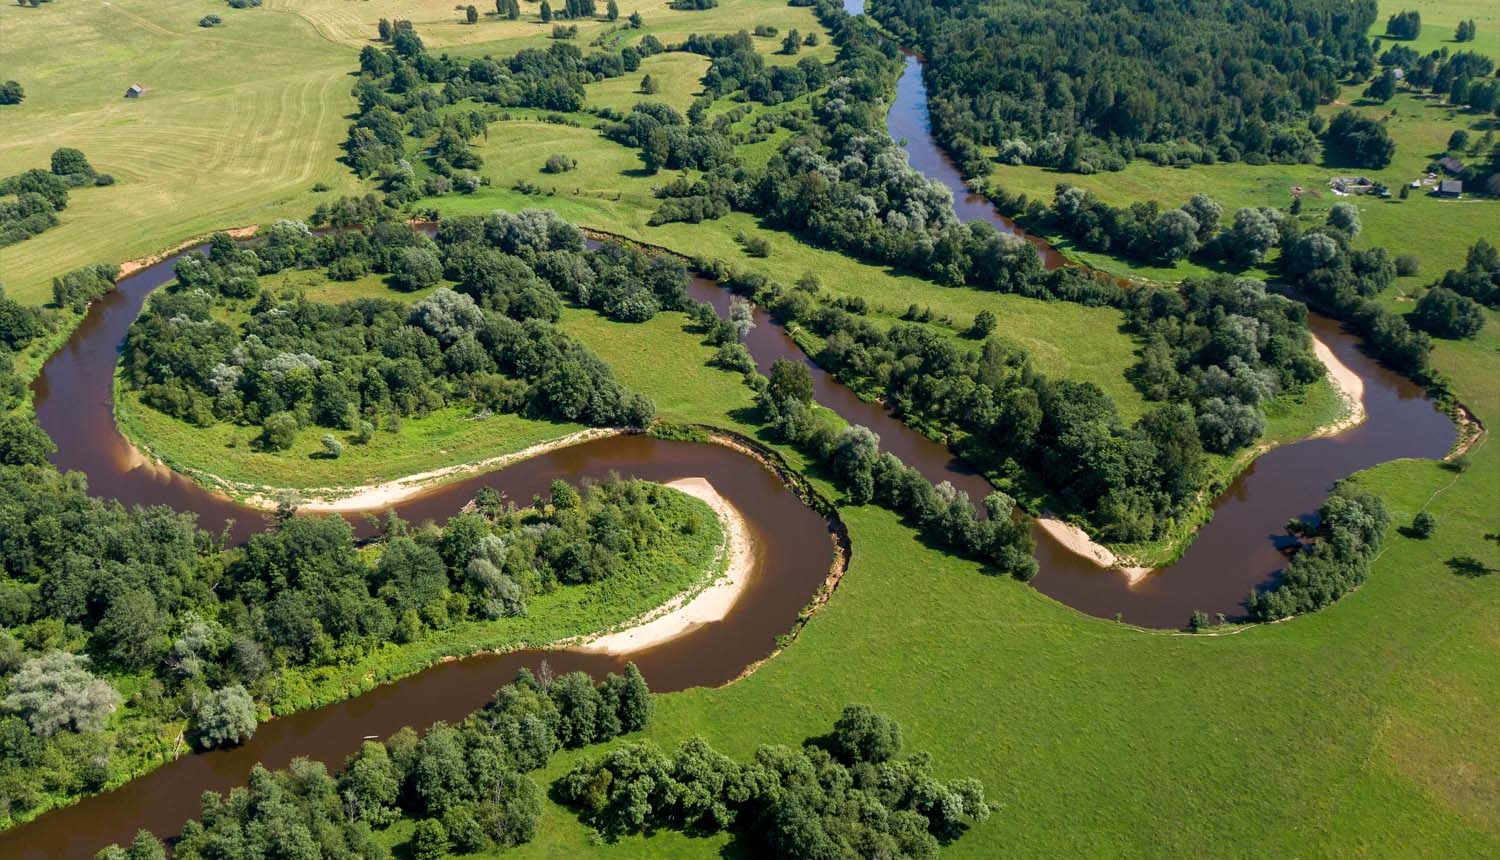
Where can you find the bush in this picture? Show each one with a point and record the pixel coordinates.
(279, 432)
(12, 93)
(225, 717)
(332, 447)
(1423, 525)
(758, 246)
(1444, 313)
(1407, 265)
(559, 163)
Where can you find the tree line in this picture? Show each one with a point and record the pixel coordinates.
(848, 794)
(468, 787)
(488, 341)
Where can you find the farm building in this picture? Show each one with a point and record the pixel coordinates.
(1451, 188)
(134, 92)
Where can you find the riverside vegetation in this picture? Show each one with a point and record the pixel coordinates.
(1004, 630)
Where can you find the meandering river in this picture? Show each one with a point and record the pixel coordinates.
(794, 549)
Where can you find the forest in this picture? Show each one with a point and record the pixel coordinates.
(96, 597)
(1085, 87)
(487, 342)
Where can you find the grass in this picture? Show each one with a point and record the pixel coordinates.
(448, 437)
(1439, 19)
(238, 122)
(236, 126)
(609, 192)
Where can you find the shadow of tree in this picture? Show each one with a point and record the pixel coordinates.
(1467, 565)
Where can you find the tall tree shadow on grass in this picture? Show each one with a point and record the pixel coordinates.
(1468, 565)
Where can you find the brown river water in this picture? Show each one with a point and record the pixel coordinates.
(794, 546)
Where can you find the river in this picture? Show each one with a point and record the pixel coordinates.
(1231, 555)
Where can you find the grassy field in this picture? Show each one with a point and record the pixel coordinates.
(238, 122)
(1439, 18)
(235, 127)
(609, 192)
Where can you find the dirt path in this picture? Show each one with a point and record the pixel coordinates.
(692, 608)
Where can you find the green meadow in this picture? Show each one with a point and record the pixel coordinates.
(1365, 730)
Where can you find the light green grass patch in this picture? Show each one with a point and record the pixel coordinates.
(450, 436)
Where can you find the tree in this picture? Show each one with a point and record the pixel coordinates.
(1344, 217)
(1458, 140)
(856, 450)
(278, 432)
(790, 380)
(11, 93)
(984, 323)
(1360, 141)
(56, 691)
(416, 268)
(612, 10)
(1465, 31)
(649, 85)
(741, 317)
(1445, 313)
(1423, 525)
(23, 442)
(513, 9)
(471, 15)
(792, 43)
(1251, 236)
(67, 161)
(1382, 88)
(430, 840)
(630, 698)
(225, 717)
(546, 12)
(861, 735)
(332, 447)
(1404, 25)
(370, 786)
(143, 847)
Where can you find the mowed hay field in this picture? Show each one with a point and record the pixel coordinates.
(236, 125)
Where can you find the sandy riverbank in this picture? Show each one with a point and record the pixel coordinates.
(1351, 390)
(1347, 383)
(691, 609)
(378, 497)
(130, 267)
(1077, 541)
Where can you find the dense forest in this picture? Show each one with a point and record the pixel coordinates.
(96, 598)
(467, 787)
(1086, 86)
(487, 342)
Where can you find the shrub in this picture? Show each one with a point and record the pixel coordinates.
(1423, 525)
(559, 163)
(224, 717)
